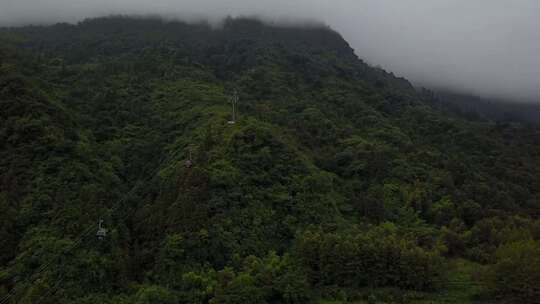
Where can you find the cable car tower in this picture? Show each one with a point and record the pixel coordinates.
(234, 102)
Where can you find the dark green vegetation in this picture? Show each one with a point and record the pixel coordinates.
(339, 183)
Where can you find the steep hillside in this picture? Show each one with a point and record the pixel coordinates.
(338, 181)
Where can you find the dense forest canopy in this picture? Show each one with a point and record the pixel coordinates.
(338, 181)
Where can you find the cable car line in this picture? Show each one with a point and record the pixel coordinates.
(102, 232)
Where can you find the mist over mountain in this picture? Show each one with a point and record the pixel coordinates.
(487, 48)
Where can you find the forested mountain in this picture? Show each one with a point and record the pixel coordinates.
(338, 182)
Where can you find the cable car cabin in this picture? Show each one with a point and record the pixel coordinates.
(101, 232)
(189, 163)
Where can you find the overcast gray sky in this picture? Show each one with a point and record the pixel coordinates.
(485, 47)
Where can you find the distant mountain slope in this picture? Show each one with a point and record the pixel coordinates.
(337, 181)
(489, 109)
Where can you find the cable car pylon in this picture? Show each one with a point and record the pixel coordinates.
(189, 161)
(234, 103)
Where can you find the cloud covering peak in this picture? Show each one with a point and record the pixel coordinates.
(485, 47)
